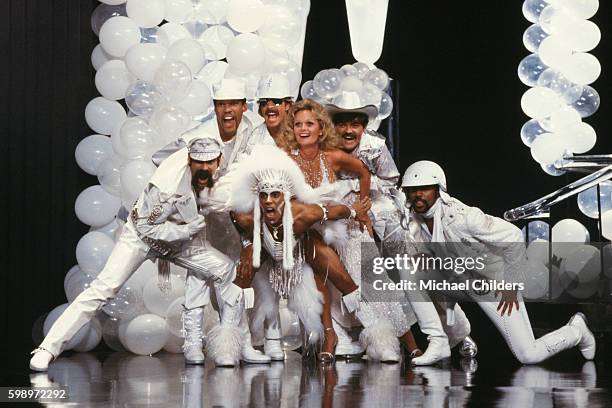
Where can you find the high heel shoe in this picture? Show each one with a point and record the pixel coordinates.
(327, 357)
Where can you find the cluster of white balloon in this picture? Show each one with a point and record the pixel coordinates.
(370, 83)
(162, 57)
(559, 70)
(578, 273)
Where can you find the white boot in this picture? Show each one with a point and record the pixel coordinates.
(272, 344)
(430, 324)
(587, 343)
(248, 353)
(377, 337)
(346, 347)
(40, 360)
(225, 340)
(192, 326)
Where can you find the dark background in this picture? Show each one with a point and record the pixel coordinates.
(460, 106)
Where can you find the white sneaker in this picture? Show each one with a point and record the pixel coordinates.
(587, 343)
(40, 360)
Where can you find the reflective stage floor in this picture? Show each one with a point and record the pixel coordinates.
(119, 379)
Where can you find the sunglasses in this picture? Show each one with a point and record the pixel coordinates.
(275, 101)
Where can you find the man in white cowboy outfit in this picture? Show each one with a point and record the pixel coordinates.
(161, 226)
(436, 217)
(274, 100)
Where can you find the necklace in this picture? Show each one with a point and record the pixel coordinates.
(310, 167)
(275, 231)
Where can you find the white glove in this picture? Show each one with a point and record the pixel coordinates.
(196, 225)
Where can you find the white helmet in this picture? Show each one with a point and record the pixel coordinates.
(424, 173)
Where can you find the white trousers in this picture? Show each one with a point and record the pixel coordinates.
(127, 255)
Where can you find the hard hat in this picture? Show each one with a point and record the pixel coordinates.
(424, 173)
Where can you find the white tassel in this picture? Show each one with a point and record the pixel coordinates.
(225, 340)
(266, 301)
(287, 233)
(379, 339)
(256, 234)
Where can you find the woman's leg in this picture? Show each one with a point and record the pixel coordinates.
(330, 338)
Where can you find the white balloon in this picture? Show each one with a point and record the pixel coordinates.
(75, 282)
(111, 229)
(351, 84)
(91, 151)
(137, 138)
(538, 250)
(606, 224)
(143, 274)
(245, 53)
(110, 334)
(564, 117)
(587, 102)
(533, 37)
(125, 305)
(211, 11)
(95, 207)
(170, 122)
(188, 51)
(143, 98)
(173, 32)
(173, 79)
(157, 301)
(583, 9)
(178, 11)
(212, 73)
(102, 115)
(146, 13)
(174, 317)
(118, 34)
(578, 138)
(378, 78)
(145, 334)
(113, 79)
(198, 99)
(143, 60)
(99, 57)
(540, 102)
(174, 344)
(530, 131)
(102, 13)
(530, 69)
(245, 16)
(134, 177)
(581, 68)
(583, 263)
(547, 148)
(91, 338)
(589, 204)
(536, 282)
(328, 83)
(552, 170)
(92, 251)
(566, 234)
(385, 108)
(281, 29)
(215, 40)
(109, 175)
(533, 8)
(581, 35)
(554, 52)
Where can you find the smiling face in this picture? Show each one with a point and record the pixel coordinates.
(229, 115)
(350, 131)
(202, 173)
(306, 128)
(422, 198)
(274, 112)
(272, 205)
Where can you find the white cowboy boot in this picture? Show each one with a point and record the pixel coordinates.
(377, 337)
(272, 345)
(192, 326)
(587, 343)
(430, 324)
(248, 353)
(346, 347)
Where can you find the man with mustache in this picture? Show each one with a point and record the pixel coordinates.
(434, 216)
(351, 117)
(161, 226)
(274, 99)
